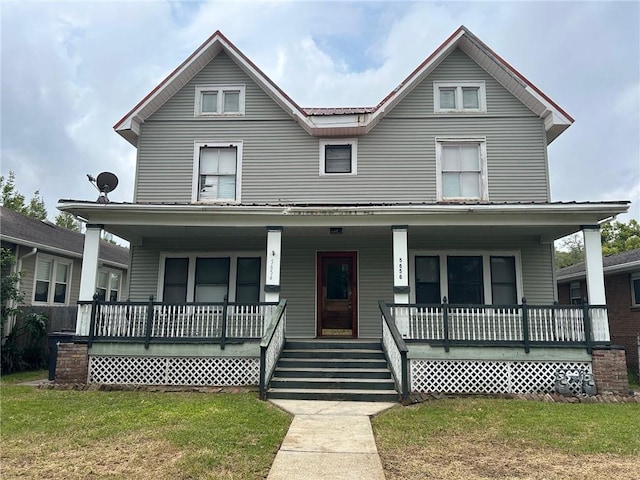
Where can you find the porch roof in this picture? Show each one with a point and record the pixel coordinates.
(548, 221)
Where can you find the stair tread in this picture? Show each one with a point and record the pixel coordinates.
(331, 379)
(333, 390)
(332, 369)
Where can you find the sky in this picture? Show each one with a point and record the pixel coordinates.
(70, 70)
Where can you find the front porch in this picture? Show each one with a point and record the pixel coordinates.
(428, 348)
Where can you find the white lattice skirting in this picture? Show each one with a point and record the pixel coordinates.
(481, 376)
(194, 371)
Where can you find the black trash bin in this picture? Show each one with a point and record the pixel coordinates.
(54, 338)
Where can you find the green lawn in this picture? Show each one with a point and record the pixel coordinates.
(80, 434)
(491, 438)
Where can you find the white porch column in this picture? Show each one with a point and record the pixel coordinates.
(88, 277)
(595, 279)
(272, 270)
(401, 276)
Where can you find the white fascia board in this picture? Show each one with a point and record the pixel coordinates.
(556, 117)
(329, 121)
(239, 215)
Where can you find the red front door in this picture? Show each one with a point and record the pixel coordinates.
(337, 294)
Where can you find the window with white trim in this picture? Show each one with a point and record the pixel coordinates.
(216, 172)
(219, 100)
(575, 293)
(108, 285)
(338, 157)
(459, 97)
(635, 289)
(461, 166)
(52, 279)
(492, 278)
(205, 277)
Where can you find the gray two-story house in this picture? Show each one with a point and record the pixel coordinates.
(422, 227)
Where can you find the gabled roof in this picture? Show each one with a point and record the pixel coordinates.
(614, 263)
(31, 232)
(316, 121)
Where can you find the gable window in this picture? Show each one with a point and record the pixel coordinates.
(635, 289)
(219, 100)
(338, 157)
(210, 278)
(52, 280)
(461, 169)
(470, 278)
(108, 285)
(216, 171)
(459, 97)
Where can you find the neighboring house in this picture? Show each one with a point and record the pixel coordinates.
(50, 259)
(419, 224)
(622, 286)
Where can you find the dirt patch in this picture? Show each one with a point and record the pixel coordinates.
(132, 457)
(470, 458)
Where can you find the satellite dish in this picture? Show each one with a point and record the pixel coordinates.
(105, 183)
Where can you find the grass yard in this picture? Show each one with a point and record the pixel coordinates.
(481, 438)
(135, 435)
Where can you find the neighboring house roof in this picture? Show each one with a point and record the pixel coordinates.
(31, 232)
(614, 263)
(317, 121)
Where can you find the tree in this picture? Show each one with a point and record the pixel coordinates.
(620, 237)
(15, 201)
(66, 220)
(9, 293)
(616, 237)
(571, 251)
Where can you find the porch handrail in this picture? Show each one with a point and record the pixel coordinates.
(519, 324)
(271, 346)
(395, 350)
(152, 321)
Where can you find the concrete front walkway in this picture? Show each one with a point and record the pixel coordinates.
(328, 440)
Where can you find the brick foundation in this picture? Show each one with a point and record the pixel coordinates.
(610, 371)
(73, 363)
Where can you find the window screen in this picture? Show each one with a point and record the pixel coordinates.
(212, 279)
(465, 281)
(176, 271)
(248, 280)
(428, 279)
(503, 281)
(337, 159)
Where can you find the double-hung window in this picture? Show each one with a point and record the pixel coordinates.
(52, 280)
(217, 168)
(210, 278)
(338, 157)
(466, 277)
(219, 100)
(459, 97)
(108, 285)
(575, 293)
(461, 169)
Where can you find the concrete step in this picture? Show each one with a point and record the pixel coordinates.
(332, 344)
(327, 363)
(302, 383)
(332, 372)
(336, 394)
(333, 353)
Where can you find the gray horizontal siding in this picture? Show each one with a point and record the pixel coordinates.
(396, 160)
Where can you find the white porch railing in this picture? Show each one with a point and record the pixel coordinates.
(151, 321)
(552, 324)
